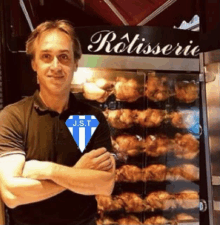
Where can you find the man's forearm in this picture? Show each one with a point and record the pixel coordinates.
(83, 181)
(20, 191)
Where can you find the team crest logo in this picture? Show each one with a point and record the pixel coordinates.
(82, 128)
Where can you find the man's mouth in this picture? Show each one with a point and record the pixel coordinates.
(56, 76)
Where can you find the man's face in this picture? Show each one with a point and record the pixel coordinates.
(54, 62)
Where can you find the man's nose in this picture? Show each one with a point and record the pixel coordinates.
(55, 64)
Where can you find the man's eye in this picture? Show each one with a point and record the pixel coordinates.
(64, 57)
(46, 56)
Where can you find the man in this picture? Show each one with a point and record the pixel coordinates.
(44, 177)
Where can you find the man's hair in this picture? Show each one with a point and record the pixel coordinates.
(62, 25)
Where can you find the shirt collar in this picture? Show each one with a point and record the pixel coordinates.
(39, 104)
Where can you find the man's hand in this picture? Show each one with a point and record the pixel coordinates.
(36, 170)
(98, 159)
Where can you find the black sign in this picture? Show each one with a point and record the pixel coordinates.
(139, 41)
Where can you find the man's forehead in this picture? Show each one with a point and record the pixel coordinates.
(51, 39)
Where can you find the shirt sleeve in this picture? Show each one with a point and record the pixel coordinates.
(11, 132)
(101, 137)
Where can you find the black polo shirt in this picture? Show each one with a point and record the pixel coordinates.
(29, 127)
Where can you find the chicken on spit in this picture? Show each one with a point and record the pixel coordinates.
(156, 220)
(98, 89)
(160, 200)
(155, 173)
(129, 220)
(132, 202)
(157, 88)
(186, 91)
(149, 117)
(183, 119)
(157, 145)
(119, 118)
(128, 173)
(186, 146)
(127, 89)
(129, 144)
(108, 203)
(183, 217)
(183, 172)
(104, 84)
(105, 221)
(187, 199)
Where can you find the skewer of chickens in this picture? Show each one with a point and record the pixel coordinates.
(186, 146)
(157, 145)
(132, 202)
(160, 200)
(128, 173)
(186, 91)
(156, 220)
(183, 119)
(183, 172)
(127, 89)
(120, 118)
(108, 203)
(149, 117)
(157, 88)
(129, 144)
(129, 220)
(155, 173)
(183, 217)
(187, 199)
(98, 89)
(105, 221)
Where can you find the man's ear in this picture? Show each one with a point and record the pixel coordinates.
(33, 64)
(76, 66)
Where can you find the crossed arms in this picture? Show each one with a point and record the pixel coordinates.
(27, 182)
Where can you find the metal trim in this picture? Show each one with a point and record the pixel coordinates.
(116, 12)
(206, 141)
(26, 14)
(135, 62)
(156, 12)
(188, 223)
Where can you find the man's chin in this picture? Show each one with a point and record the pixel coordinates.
(58, 90)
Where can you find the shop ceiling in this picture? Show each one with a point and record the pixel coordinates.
(163, 13)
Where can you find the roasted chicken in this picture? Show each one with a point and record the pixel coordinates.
(106, 221)
(183, 217)
(128, 173)
(132, 202)
(108, 203)
(119, 118)
(156, 220)
(183, 119)
(154, 173)
(127, 89)
(183, 172)
(187, 199)
(129, 144)
(104, 84)
(186, 91)
(149, 117)
(129, 220)
(186, 146)
(157, 88)
(157, 145)
(92, 92)
(160, 200)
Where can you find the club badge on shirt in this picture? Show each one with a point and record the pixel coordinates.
(82, 127)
